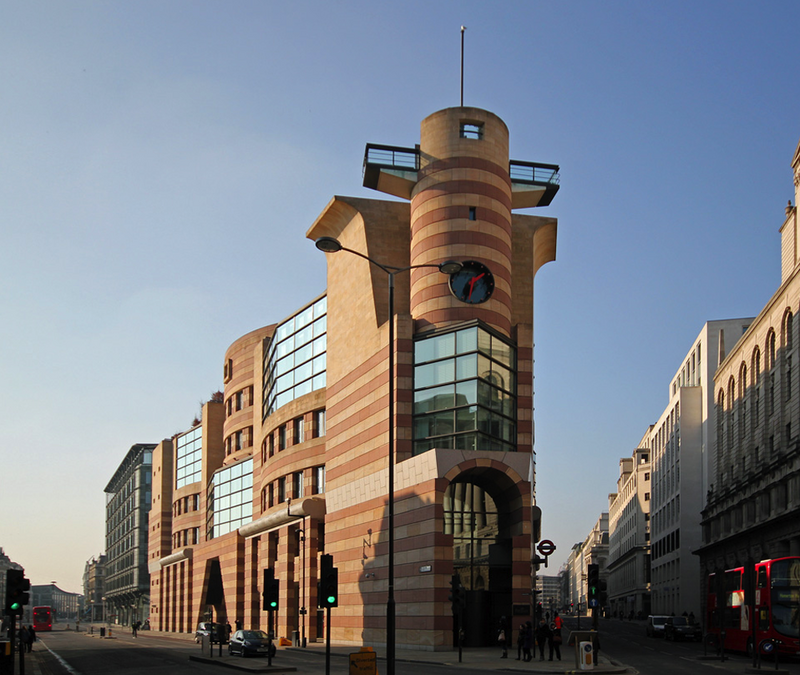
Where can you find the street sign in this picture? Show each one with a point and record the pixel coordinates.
(546, 547)
(363, 663)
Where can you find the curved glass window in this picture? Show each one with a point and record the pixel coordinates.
(188, 457)
(230, 498)
(465, 391)
(295, 357)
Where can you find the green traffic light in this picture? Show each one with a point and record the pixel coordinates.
(15, 606)
(331, 599)
(273, 604)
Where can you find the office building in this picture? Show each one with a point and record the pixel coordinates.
(128, 499)
(682, 463)
(294, 462)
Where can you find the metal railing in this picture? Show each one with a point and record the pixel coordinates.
(393, 157)
(533, 173)
(407, 159)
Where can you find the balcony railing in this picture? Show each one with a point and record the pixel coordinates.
(391, 157)
(533, 173)
(378, 158)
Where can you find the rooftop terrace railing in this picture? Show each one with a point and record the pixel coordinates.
(534, 173)
(407, 159)
(392, 157)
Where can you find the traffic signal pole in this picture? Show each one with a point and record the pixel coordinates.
(328, 642)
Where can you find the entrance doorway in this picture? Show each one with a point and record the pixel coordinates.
(481, 559)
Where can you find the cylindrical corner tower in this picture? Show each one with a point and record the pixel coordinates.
(461, 210)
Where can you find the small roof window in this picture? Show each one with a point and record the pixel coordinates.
(471, 130)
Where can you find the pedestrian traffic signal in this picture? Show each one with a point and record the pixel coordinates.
(17, 587)
(328, 583)
(593, 584)
(272, 588)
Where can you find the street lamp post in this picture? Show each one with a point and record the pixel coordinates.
(332, 245)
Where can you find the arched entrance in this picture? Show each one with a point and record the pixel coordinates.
(480, 514)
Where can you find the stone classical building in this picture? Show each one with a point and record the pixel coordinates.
(94, 588)
(294, 462)
(629, 537)
(753, 507)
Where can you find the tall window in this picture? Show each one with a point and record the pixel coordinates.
(297, 485)
(230, 498)
(465, 391)
(295, 357)
(188, 457)
(299, 430)
(319, 479)
(319, 422)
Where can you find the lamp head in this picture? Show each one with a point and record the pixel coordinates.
(328, 244)
(450, 267)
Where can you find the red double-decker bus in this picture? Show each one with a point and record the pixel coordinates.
(770, 592)
(42, 619)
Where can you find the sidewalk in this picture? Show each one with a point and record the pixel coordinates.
(479, 658)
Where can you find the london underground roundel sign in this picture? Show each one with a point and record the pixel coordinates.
(546, 547)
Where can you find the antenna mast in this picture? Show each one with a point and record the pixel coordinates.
(463, 28)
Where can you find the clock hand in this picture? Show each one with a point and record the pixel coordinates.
(472, 284)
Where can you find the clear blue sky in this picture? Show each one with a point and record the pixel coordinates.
(156, 155)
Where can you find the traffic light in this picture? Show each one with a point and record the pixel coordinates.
(17, 587)
(593, 583)
(272, 588)
(328, 583)
(458, 594)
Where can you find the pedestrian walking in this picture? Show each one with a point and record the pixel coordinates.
(520, 636)
(22, 636)
(543, 634)
(502, 636)
(527, 642)
(554, 641)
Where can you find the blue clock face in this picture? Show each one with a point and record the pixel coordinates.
(473, 283)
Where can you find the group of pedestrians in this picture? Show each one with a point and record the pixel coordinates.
(544, 634)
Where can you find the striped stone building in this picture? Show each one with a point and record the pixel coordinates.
(293, 461)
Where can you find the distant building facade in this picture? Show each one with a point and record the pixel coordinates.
(594, 550)
(752, 511)
(293, 462)
(65, 606)
(94, 588)
(682, 462)
(128, 497)
(628, 586)
(548, 594)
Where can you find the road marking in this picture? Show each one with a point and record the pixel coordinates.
(68, 667)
